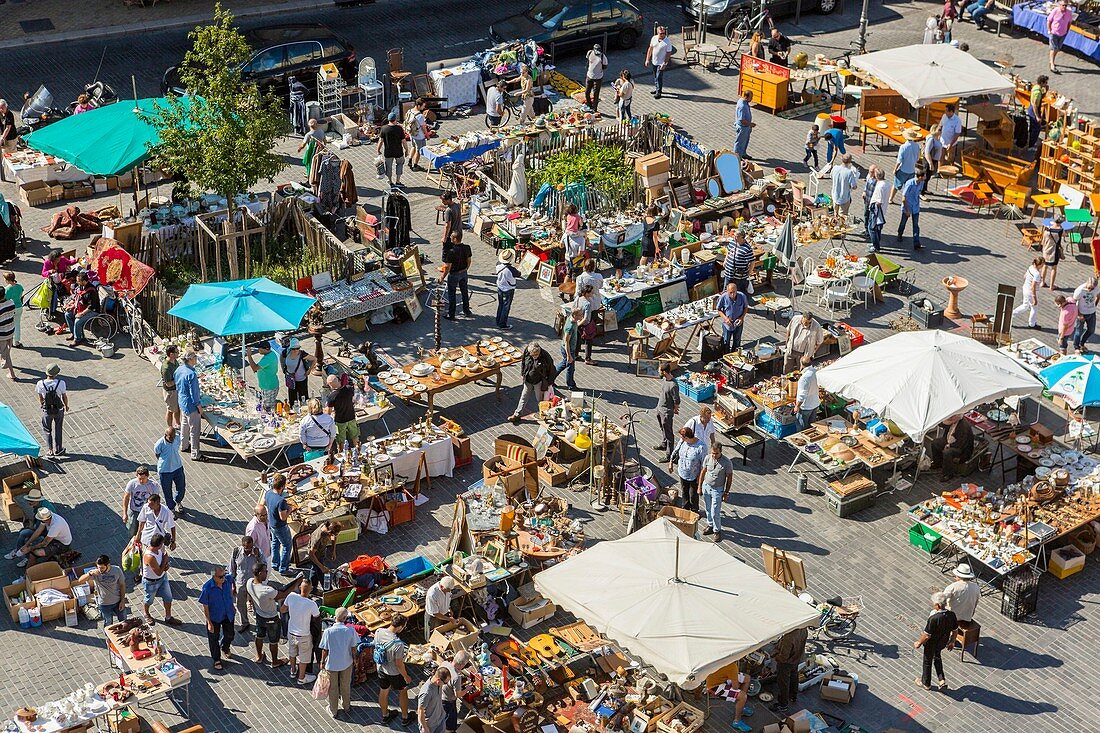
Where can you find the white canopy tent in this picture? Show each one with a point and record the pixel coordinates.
(684, 606)
(924, 74)
(920, 378)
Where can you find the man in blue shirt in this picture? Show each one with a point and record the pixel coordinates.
(170, 468)
(910, 207)
(277, 512)
(187, 390)
(742, 125)
(908, 155)
(732, 307)
(834, 142)
(218, 597)
(338, 644)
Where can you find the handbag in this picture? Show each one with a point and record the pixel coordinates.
(588, 330)
(43, 296)
(320, 687)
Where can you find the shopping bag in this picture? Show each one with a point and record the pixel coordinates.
(320, 687)
(43, 296)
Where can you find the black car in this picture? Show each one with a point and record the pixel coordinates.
(720, 13)
(559, 24)
(285, 51)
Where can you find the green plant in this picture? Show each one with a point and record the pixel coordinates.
(603, 168)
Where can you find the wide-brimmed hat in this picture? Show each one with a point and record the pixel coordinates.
(35, 494)
(964, 572)
(43, 515)
(507, 255)
(53, 370)
(912, 135)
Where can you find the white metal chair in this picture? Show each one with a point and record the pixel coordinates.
(863, 286)
(837, 295)
(368, 81)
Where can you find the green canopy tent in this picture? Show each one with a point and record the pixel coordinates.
(107, 141)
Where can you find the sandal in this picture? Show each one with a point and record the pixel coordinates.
(918, 681)
(942, 684)
(278, 663)
(218, 666)
(407, 720)
(262, 659)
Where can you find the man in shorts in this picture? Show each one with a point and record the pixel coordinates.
(265, 604)
(301, 609)
(392, 674)
(341, 405)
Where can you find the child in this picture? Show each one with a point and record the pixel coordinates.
(1067, 322)
(811, 144)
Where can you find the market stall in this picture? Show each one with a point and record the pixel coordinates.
(923, 74)
(1082, 34)
(372, 292)
(684, 606)
(451, 368)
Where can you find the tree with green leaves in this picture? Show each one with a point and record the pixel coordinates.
(222, 136)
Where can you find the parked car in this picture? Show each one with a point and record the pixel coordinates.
(564, 24)
(721, 12)
(285, 51)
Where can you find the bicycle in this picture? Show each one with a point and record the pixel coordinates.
(511, 109)
(461, 179)
(838, 616)
(742, 25)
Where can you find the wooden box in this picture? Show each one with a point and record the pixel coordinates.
(692, 716)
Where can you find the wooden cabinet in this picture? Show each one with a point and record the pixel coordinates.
(768, 90)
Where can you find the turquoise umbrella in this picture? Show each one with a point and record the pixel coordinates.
(14, 436)
(1077, 378)
(107, 141)
(239, 307)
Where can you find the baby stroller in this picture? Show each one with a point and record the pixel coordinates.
(12, 238)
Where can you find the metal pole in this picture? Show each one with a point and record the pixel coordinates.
(863, 28)
(676, 572)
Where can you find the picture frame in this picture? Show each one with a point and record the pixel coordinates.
(383, 473)
(411, 267)
(649, 368)
(545, 274)
(413, 304)
(673, 294)
(637, 725)
(528, 264)
(844, 343)
(494, 553)
(756, 207)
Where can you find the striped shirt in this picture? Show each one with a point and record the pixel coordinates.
(7, 319)
(739, 258)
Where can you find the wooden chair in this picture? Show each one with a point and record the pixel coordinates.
(690, 40)
(398, 75)
(965, 636)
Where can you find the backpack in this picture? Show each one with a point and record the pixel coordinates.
(52, 400)
(411, 125)
(382, 652)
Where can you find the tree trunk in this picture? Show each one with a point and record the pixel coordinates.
(229, 231)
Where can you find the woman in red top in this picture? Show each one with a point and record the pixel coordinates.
(82, 308)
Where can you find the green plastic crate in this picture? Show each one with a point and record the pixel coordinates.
(650, 304)
(924, 538)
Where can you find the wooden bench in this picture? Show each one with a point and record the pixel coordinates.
(998, 19)
(1000, 170)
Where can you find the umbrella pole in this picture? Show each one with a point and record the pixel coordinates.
(676, 572)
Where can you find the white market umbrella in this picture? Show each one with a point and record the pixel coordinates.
(918, 379)
(926, 74)
(517, 191)
(684, 606)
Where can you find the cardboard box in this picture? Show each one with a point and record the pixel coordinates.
(41, 575)
(57, 611)
(553, 474)
(775, 728)
(652, 711)
(464, 636)
(1065, 561)
(798, 723)
(656, 179)
(685, 520)
(12, 511)
(340, 123)
(693, 715)
(127, 720)
(506, 472)
(530, 608)
(13, 591)
(652, 164)
(13, 485)
(36, 193)
(838, 688)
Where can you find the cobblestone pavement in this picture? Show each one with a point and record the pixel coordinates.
(1033, 675)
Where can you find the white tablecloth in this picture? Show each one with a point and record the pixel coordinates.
(457, 87)
(55, 173)
(441, 460)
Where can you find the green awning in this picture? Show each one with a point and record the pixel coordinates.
(102, 142)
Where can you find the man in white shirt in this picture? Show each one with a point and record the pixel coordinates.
(951, 128)
(437, 605)
(155, 518)
(593, 80)
(845, 177)
(703, 426)
(658, 55)
(57, 538)
(494, 104)
(300, 608)
(807, 399)
(1086, 296)
(963, 595)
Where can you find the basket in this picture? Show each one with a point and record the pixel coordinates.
(640, 485)
(1085, 541)
(697, 394)
(924, 538)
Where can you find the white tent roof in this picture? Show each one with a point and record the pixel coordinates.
(928, 73)
(717, 611)
(920, 378)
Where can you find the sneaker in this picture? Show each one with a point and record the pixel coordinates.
(22, 563)
(389, 716)
(505, 328)
(308, 679)
(60, 452)
(742, 726)
(11, 555)
(708, 531)
(173, 621)
(780, 710)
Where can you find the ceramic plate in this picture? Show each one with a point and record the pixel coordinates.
(385, 375)
(242, 437)
(262, 443)
(1035, 454)
(882, 126)
(419, 388)
(881, 118)
(391, 380)
(1046, 463)
(1021, 439)
(407, 393)
(496, 339)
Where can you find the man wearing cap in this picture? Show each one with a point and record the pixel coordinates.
(136, 495)
(53, 398)
(30, 503)
(168, 386)
(110, 589)
(963, 595)
(939, 630)
(190, 400)
(297, 365)
(391, 145)
(908, 155)
(55, 538)
(593, 80)
(437, 605)
(266, 369)
(506, 273)
(494, 104)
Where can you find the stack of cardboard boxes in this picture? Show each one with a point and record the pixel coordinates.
(15, 485)
(654, 171)
(39, 577)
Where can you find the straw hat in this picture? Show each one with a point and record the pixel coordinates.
(53, 370)
(43, 515)
(507, 255)
(964, 572)
(912, 135)
(35, 494)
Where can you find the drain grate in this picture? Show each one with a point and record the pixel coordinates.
(37, 25)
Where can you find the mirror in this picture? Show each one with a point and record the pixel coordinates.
(714, 189)
(728, 166)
